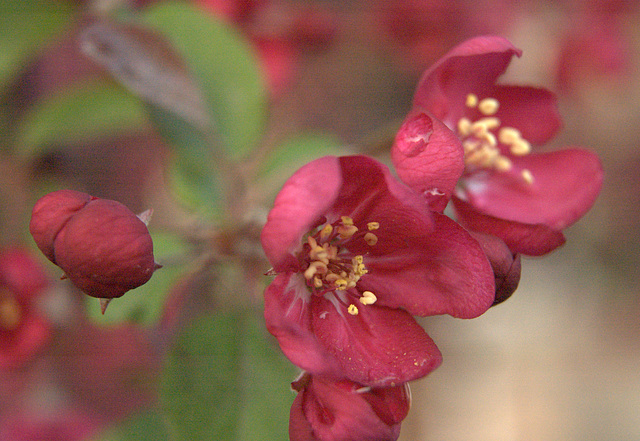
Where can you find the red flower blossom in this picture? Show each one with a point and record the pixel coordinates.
(22, 330)
(524, 198)
(103, 248)
(357, 254)
(326, 410)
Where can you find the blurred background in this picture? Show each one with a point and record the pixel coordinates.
(290, 81)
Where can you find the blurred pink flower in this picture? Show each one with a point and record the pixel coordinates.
(23, 331)
(524, 198)
(102, 247)
(357, 254)
(327, 410)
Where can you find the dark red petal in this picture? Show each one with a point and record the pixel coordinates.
(330, 410)
(445, 272)
(303, 200)
(565, 185)
(288, 318)
(377, 347)
(50, 214)
(531, 240)
(506, 265)
(471, 67)
(428, 157)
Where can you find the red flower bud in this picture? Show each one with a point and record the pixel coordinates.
(102, 247)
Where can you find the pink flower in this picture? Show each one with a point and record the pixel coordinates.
(326, 410)
(23, 331)
(103, 248)
(357, 254)
(524, 198)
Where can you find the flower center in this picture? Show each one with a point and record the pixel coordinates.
(482, 137)
(10, 313)
(328, 264)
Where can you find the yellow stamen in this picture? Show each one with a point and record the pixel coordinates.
(326, 232)
(352, 309)
(371, 239)
(464, 127)
(373, 226)
(520, 147)
(509, 135)
(527, 176)
(472, 100)
(346, 220)
(368, 298)
(488, 106)
(502, 163)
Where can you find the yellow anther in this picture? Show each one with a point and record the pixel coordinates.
(509, 135)
(368, 298)
(346, 220)
(502, 163)
(341, 284)
(464, 127)
(317, 282)
(346, 231)
(326, 231)
(490, 139)
(373, 226)
(490, 122)
(472, 100)
(488, 106)
(10, 314)
(520, 147)
(371, 239)
(527, 176)
(319, 253)
(358, 259)
(352, 309)
(313, 243)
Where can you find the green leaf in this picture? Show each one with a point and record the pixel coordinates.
(144, 305)
(25, 26)
(147, 426)
(226, 381)
(284, 160)
(79, 113)
(224, 66)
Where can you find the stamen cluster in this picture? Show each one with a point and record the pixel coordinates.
(330, 266)
(481, 146)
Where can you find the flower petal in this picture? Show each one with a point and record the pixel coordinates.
(303, 200)
(287, 314)
(445, 272)
(533, 111)
(531, 240)
(471, 67)
(330, 410)
(565, 186)
(378, 346)
(428, 157)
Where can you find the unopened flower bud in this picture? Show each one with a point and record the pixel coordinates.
(103, 247)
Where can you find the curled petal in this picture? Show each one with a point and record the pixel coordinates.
(303, 200)
(445, 272)
(528, 239)
(428, 157)
(506, 265)
(471, 67)
(565, 185)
